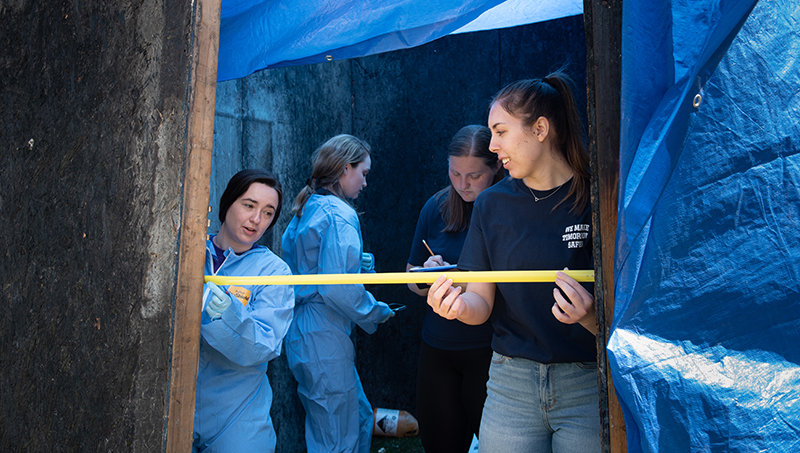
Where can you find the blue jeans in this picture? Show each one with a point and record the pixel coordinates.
(537, 407)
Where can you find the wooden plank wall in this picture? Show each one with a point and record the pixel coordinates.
(603, 23)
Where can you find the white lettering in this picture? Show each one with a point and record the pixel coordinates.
(573, 236)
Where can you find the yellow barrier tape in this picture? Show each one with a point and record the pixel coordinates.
(402, 277)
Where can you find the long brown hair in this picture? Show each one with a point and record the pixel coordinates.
(328, 162)
(472, 140)
(551, 97)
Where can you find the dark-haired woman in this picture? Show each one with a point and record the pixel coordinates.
(324, 237)
(454, 357)
(542, 392)
(242, 327)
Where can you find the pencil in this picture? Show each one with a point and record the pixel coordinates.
(426, 246)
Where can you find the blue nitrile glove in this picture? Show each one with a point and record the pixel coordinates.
(390, 315)
(367, 262)
(218, 303)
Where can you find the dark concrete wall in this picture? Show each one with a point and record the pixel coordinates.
(407, 104)
(92, 130)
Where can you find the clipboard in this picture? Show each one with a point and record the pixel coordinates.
(449, 267)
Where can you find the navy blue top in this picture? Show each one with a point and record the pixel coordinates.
(512, 231)
(219, 257)
(437, 331)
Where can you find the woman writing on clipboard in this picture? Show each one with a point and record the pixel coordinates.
(454, 357)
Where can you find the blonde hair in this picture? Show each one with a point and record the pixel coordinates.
(328, 163)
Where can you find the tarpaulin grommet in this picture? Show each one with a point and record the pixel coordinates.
(697, 100)
(329, 57)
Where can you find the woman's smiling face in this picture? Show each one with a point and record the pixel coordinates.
(516, 146)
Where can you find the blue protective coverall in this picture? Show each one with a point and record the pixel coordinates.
(233, 393)
(327, 240)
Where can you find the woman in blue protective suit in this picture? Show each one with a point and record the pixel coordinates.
(324, 237)
(243, 326)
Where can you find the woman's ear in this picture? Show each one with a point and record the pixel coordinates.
(541, 128)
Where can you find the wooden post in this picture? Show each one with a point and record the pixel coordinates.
(603, 23)
(194, 219)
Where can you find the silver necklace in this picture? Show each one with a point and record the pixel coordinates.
(537, 199)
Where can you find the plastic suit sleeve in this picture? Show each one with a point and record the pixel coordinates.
(340, 251)
(251, 335)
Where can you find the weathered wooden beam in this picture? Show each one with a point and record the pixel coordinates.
(603, 22)
(194, 219)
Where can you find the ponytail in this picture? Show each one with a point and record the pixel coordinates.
(328, 163)
(551, 97)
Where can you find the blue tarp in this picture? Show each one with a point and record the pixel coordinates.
(261, 34)
(705, 343)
